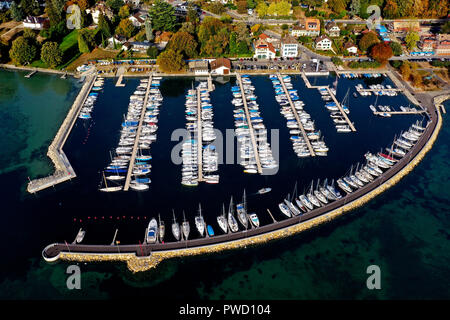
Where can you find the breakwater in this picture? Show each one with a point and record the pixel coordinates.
(144, 257)
(63, 168)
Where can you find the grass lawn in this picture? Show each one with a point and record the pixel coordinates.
(39, 64)
(70, 40)
(96, 54)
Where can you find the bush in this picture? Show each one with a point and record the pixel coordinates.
(337, 61)
(284, 26)
(311, 13)
(396, 63)
(364, 64)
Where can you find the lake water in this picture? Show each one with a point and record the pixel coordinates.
(404, 231)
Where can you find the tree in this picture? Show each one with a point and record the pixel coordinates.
(233, 43)
(86, 40)
(391, 9)
(115, 4)
(272, 9)
(262, 9)
(355, 7)
(405, 70)
(416, 79)
(381, 52)
(103, 25)
(163, 16)
(51, 54)
(188, 27)
(170, 61)
(283, 8)
(411, 39)
(16, 12)
(368, 40)
(125, 28)
(445, 28)
(396, 48)
(52, 13)
(337, 5)
(148, 30)
(192, 15)
(242, 6)
(152, 52)
(184, 43)
(124, 12)
(22, 51)
(217, 8)
(337, 61)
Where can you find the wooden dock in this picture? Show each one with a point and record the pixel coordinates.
(252, 133)
(300, 124)
(138, 134)
(199, 138)
(338, 104)
(63, 168)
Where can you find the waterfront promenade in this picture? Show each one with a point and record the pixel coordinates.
(63, 168)
(144, 257)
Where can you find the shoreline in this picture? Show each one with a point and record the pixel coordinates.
(157, 253)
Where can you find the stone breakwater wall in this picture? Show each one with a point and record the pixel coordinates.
(63, 169)
(139, 264)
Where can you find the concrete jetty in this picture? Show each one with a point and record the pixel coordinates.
(252, 133)
(29, 75)
(338, 104)
(378, 113)
(63, 168)
(199, 138)
(300, 124)
(138, 134)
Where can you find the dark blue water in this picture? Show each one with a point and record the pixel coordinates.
(31, 222)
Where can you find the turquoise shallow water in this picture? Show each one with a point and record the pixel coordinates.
(405, 231)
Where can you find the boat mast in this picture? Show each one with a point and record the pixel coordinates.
(104, 178)
(245, 202)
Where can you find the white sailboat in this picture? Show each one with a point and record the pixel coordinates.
(222, 220)
(231, 219)
(109, 189)
(241, 209)
(200, 222)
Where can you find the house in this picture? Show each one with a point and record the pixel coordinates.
(134, 3)
(332, 29)
(100, 7)
(199, 67)
(351, 48)
(307, 27)
(138, 19)
(116, 41)
(35, 23)
(140, 46)
(264, 50)
(405, 26)
(221, 66)
(276, 43)
(161, 39)
(289, 47)
(428, 44)
(443, 44)
(126, 46)
(323, 43)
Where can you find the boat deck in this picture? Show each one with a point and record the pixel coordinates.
(138, 133)
(252, 133)
(300, 125)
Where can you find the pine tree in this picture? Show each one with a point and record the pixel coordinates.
(148, 30)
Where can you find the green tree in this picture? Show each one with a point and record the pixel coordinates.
(188, 27)
(22, 51)
(170, 61)
(125, 28)
(337, 61)
(124, 12)
(86, 40)
(262, 9)
(163, 16)
(217, 8)
(148, 30)
(51, 54)
(233, 44)
(396, 48)
(103, 25)
(272, 10)
(152, 52)
(184, 43)
(192, 15)
(411, 39)
(52, 13)
(16, 12)
(115, 4)
(355, 7)
(445, 28)
(368, 40)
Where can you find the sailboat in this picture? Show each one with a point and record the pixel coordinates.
(175, 227)
(109, 189)
(319, 194)
(345, 102)
(162, 229)
(185, 227)
(312, 198)
(200, 222)
(241, 209)
(231, 219)
(222, 220)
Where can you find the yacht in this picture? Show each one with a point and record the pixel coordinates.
(200, 222)
(152, 231)
(175, 228)
(254, 219)
(185, 227)
(232, 223)
(222, 220)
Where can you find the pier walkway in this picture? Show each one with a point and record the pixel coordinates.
(376, 90)
(250, 126)
(398, 112)
(300, 124)
(29, 75)
(338, 104)
(63, 168)
(199, 138)
(138, 134)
